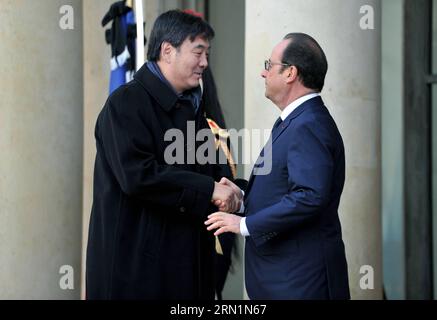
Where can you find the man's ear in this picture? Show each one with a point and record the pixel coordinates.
(166, 51)
(291, 73)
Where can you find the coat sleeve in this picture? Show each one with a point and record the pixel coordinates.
(129, 148)
(310, 170)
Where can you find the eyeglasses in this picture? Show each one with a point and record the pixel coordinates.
(268, 64)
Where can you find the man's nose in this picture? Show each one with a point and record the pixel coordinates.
(264, 73)
(203, 61)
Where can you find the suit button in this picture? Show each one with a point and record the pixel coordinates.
(182, 209)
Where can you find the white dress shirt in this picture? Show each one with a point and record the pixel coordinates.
(284, 114)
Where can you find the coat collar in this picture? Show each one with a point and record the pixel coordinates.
(164, 95)
(296, 112)
(316, 101)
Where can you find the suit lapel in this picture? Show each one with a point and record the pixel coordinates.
(276, 133)
(252, 176)
(267, 148)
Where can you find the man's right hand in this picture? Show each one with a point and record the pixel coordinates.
(227, 198)
(234, 187)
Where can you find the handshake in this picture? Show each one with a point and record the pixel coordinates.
(227, 196)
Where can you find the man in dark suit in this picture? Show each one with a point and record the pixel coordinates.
(294, 247)
(146, 237)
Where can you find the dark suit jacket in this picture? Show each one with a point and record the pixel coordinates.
(147, 239)
(295, 249)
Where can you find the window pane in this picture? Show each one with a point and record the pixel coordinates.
(392, 150)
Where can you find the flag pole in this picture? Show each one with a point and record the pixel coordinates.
(139, 18)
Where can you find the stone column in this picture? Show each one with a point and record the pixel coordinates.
(41, 105)
(352, 95)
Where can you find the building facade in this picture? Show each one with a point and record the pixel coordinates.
(380, 89)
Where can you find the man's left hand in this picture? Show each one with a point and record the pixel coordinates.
(224, 222)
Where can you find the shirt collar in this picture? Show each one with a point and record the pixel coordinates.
(194, 95)
(296, 103)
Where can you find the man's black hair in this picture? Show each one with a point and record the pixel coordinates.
(307, 56)
(175, 26)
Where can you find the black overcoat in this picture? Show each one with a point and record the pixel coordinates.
(147, 238)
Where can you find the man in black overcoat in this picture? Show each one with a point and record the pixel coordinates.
(147, 238)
